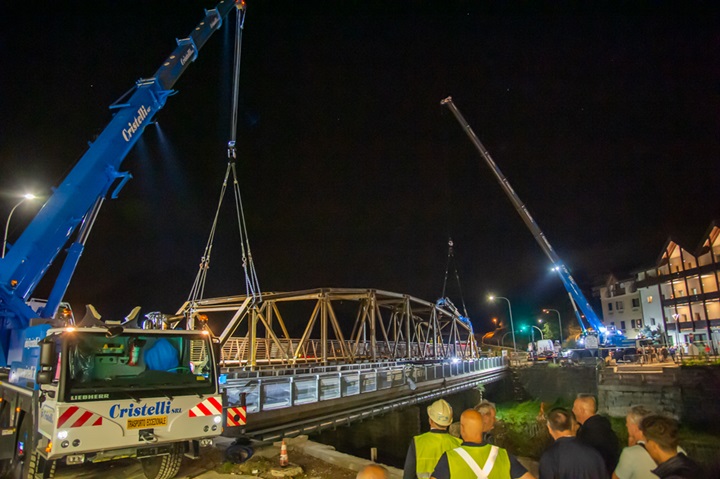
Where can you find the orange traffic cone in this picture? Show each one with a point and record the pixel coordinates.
(283, 454)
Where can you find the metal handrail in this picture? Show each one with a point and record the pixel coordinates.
(269, 392)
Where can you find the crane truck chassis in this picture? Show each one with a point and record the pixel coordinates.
(108, 393)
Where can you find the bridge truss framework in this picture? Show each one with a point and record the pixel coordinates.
(340, 326)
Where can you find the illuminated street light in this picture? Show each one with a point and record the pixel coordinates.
(547, 311)
(28, 196)
(512, 326)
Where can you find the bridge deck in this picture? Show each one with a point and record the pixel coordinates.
(291, 402)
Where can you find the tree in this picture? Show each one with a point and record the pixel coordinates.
(550, 331)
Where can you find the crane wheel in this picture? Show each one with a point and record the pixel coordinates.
(165, 466)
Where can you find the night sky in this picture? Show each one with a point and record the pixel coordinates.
(606, 123)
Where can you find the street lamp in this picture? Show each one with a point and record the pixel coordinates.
(546, 311)
(512, 327)
(28, 196)
(542, 336)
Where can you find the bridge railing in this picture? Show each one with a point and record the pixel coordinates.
(237, 351)
(276, 392)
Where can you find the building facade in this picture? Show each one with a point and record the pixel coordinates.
(622, 306)
(679, 295)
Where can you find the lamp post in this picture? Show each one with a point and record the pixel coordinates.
(28, 196)
(542, 336)
(512, 327)
(546, 311)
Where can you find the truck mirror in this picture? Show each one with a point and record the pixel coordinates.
(48, 358)
(48, 362)
(45, 377)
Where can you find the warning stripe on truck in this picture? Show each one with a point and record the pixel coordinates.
(236, 416)
(74, 416)
(209, 407)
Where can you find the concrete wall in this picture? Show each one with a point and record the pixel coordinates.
(549, 384)
(689, 393)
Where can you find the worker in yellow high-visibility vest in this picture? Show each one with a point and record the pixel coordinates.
(426, 449)
(475, 459)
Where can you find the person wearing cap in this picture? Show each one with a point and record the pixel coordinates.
(426, 449)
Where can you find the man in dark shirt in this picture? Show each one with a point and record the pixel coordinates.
(661, 436)
(568, 458)
(595, 430)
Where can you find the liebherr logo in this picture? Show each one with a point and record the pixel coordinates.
(133, 127)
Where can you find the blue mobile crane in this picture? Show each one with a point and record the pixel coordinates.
(101, 390)
(608, 336)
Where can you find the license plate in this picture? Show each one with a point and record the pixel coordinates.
(145, 422)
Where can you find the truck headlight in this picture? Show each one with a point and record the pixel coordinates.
(62, 434)
(217, 419)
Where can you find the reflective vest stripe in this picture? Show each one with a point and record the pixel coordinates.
(490, 463)
(464, 462)
(485, 471)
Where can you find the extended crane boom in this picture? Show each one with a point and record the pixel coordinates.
(577, 297)
(75, 203)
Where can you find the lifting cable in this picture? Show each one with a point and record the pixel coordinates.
(252, 285)
(451, 259)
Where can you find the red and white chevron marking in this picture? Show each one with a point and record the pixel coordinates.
(236, 416)
(209, 407)
(74, 416)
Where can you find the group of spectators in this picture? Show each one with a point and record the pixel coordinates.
(584, 447)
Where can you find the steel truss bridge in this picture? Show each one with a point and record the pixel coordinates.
(362, 352)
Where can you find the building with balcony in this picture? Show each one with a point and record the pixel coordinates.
(682, 288)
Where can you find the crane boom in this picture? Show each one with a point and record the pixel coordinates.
(75, 203)
(576, 295)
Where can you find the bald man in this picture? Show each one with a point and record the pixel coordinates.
(474, 456)
(373, 471)
(595, 430)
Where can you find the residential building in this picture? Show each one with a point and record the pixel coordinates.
(622, 306)
(682, 289)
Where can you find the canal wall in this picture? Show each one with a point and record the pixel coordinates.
(689, 393)
(549, 383)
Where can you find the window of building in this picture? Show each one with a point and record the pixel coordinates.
(697, 316)
(622, 324)
(639, 323)
(636, 302)
(652, 321)
(632, 323)
(619, 305)
(609, 306)
(649, 299)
